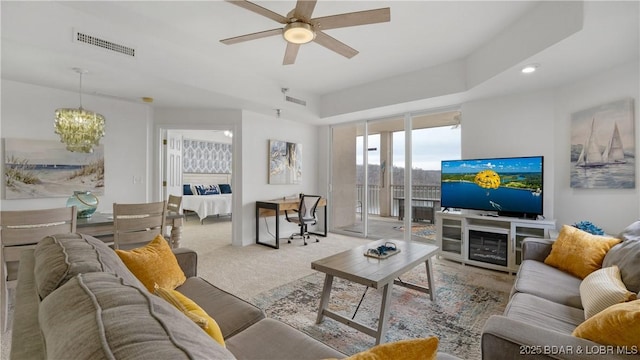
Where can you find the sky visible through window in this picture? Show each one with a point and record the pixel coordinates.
(430, 147)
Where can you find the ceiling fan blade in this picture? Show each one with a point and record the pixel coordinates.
(260, 10)
(304, 9)
(253, 36)
(335, 45)
(352, 19)
(290, 54)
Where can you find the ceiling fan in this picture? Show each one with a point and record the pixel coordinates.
(299, 28)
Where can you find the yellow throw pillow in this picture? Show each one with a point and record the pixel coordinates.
(601, 289)
(153, 264)
(193, 312)
(617, 325)
(414, 349)
(578, 252)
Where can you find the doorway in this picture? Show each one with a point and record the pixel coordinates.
(200, 157)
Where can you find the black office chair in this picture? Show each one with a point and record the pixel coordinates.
(304, 216)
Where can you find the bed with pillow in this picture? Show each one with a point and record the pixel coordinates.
(207, 194)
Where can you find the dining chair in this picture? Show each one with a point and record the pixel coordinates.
(135, 225)
(173, 207)
(21, 230)
(305, 215)
(173, 204)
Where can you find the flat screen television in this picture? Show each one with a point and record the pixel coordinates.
(509, 186)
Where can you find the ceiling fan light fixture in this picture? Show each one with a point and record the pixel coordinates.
(298, 33)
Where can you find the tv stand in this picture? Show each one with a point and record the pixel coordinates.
(517, 215)
(487, 240)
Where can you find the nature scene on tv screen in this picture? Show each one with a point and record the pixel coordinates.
(503, 185)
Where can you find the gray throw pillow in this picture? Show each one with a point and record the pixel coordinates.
(95, 316)
(632, 232)
(60, 257)
(626, 255)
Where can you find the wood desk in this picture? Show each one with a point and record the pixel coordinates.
(352, 265)
(273, 207)
(100, 226)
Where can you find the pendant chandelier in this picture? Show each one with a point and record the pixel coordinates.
(79, 129)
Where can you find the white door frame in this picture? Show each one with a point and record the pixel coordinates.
(236, 179)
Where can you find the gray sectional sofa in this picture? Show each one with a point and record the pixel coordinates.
(545, 307)
(76, 299)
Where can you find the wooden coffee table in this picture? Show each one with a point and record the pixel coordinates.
(352, 265)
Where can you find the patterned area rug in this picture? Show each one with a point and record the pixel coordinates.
(423, 231)
(466, 297)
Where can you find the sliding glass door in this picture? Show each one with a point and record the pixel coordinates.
(385, 181)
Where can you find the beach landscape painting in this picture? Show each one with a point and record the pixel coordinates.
(45, 168)
(603, 146)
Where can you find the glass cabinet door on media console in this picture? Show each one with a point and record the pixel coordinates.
(520, 231)
(451, 235)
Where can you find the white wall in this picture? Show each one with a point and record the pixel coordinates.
(539, 123)
(611, 209)
(516, 125)
(257, 130)
(28, 112)
(252, 132)
(533, 123)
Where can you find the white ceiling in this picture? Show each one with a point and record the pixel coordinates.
(181, 63)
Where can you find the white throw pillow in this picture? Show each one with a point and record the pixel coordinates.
(601, 289)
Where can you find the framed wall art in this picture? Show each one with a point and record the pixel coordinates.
(603, 146)
(285, 162)
(45, 168)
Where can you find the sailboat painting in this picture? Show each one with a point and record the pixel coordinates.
(603, 146)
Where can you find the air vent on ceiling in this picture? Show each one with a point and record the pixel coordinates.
(102, 43)
(292, 99)
(296, 101)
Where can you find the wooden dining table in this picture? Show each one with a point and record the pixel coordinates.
(100, 225)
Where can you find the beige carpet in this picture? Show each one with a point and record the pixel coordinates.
(252, 270)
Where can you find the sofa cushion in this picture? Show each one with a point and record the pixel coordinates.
(96, 316)
(617, 325)
(272, 339)
(192, 311)
(544, 313)
(578, 252)
(534, 278)
(232, 314)
(410, 349)
(154, 264)
(59, 258)
(626, 256)
(601, 289)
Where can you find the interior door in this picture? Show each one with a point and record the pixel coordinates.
(173, 164)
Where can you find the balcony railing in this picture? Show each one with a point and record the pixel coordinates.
(397, 191)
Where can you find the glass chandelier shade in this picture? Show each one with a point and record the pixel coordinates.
(79, 129)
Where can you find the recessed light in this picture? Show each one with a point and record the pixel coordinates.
(530, 68)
